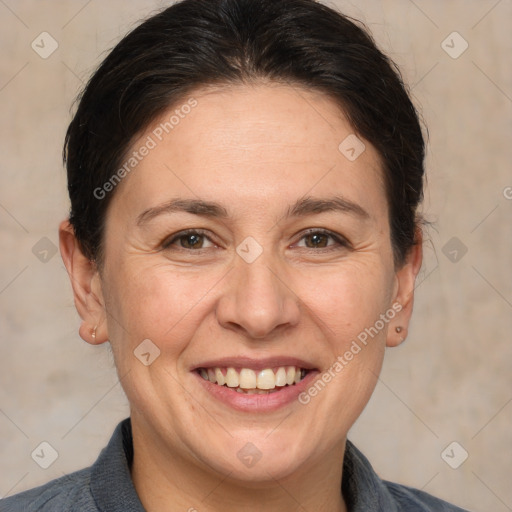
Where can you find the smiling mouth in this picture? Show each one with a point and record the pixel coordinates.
(248, 381)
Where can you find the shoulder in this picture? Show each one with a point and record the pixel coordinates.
(106, 485)
(68, 493)
(410, 499)
(366, 491)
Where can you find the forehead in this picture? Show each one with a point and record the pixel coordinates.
(253, 146)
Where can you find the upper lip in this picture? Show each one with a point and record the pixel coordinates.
(255, 364)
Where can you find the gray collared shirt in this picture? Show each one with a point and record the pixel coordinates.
(107, 486)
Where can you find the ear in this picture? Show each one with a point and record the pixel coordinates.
(86, 284)
(405, 279)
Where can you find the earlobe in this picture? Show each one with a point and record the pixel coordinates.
(405, 280)
(94, 335)
(396, 336)
(84, 278)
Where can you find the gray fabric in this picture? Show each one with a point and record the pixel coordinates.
(107, 486)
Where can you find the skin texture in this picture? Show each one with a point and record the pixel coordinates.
(256, 150)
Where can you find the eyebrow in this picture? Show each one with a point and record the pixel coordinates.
(311, 205)
(302, 207)
(194, 206)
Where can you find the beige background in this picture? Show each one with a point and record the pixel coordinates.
(451, 381)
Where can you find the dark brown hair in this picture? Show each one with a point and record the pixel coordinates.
(197, 43)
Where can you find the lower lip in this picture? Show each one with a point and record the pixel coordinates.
(257, 403)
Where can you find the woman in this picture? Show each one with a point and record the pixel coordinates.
(244, 178)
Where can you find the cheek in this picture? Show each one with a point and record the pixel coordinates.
(157, 302)
(347, 305)
(346, 299)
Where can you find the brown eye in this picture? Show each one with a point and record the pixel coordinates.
(320, 239)
(189, 240)
(317, 240)
(192, 241)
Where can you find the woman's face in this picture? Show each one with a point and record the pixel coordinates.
(247, 238)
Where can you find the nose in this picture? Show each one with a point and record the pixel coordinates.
(258, 301)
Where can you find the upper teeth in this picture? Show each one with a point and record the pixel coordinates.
(249, 379)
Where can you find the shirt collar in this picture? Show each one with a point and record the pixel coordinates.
(113, 489)
(362, 488)
(111, 482)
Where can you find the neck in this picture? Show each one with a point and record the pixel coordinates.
(165, 481)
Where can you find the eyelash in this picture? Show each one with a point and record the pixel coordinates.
(340, 241)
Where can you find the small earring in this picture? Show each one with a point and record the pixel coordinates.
(93, 334)
(398, 329)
